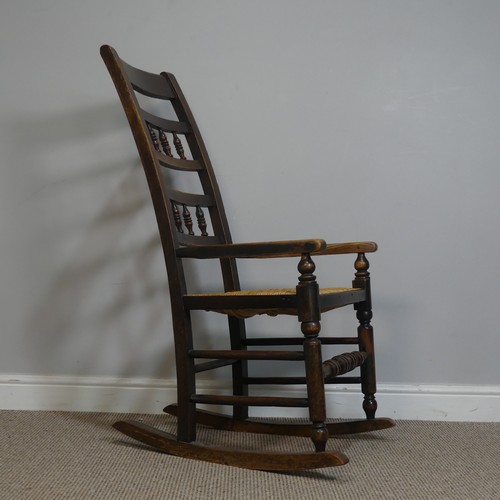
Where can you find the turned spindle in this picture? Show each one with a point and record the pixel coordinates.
(152, 133)
(178, 146)
(188, 222)
(177, 217)
(165, 144)
(202, 223)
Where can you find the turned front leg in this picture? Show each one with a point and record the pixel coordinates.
(309, 316)
(365, 336)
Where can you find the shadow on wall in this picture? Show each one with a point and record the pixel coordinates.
(94, 283)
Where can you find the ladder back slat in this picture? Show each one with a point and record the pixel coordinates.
(164, 124)
(178, 164)
(148, 84)
(190, 199)
(188, 240)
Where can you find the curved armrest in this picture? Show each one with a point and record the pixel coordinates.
(351, 247)
(257, 250)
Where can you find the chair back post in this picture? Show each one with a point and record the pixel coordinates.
(162, 153)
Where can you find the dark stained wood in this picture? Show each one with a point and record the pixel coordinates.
(298, 380)
(177, 217)
(190, 199)
(178, 147)
(177, 164)
(227, 423)
(260, 460)
(165, 145)
(164, 125)
(216, 363)
(202, 223)
(342, 248)
(309, 315)
(365, 335)
(299, 341)
(255, 250)
(148, 84)
(343, 363)
(189, 239)
(186, 216)
(261, 355)
(250, 400)
(154, 138)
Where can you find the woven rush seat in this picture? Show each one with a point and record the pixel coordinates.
(284, 298)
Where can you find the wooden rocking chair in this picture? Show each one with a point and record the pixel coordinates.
(167, 146)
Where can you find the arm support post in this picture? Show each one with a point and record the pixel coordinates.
(365, 336)
(309, 316)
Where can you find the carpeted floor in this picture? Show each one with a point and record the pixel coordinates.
(58, 455)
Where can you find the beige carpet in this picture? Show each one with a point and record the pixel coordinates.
(58, 455)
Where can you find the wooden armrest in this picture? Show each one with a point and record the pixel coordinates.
(256, 250)
(351, 247)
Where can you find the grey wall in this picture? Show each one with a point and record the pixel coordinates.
(333, 119)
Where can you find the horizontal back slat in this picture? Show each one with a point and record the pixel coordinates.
(189, 239)
(164, 124)
(190, 199)
(178, 164)
(148, 84)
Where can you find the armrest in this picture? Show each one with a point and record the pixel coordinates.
(351, 247)
(256, 250)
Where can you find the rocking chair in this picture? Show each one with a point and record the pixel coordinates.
(174, 145)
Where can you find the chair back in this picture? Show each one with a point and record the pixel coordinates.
(173, 156)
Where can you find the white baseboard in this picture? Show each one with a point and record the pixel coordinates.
(106, 394)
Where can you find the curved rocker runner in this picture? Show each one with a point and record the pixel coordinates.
(269, 461)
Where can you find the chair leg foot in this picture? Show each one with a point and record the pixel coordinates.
(319, 436)
(370, 405)
(268, 461)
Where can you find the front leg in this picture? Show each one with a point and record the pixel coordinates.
(365, 336)
(309, 316)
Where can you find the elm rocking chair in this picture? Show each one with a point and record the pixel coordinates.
(167, 145)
